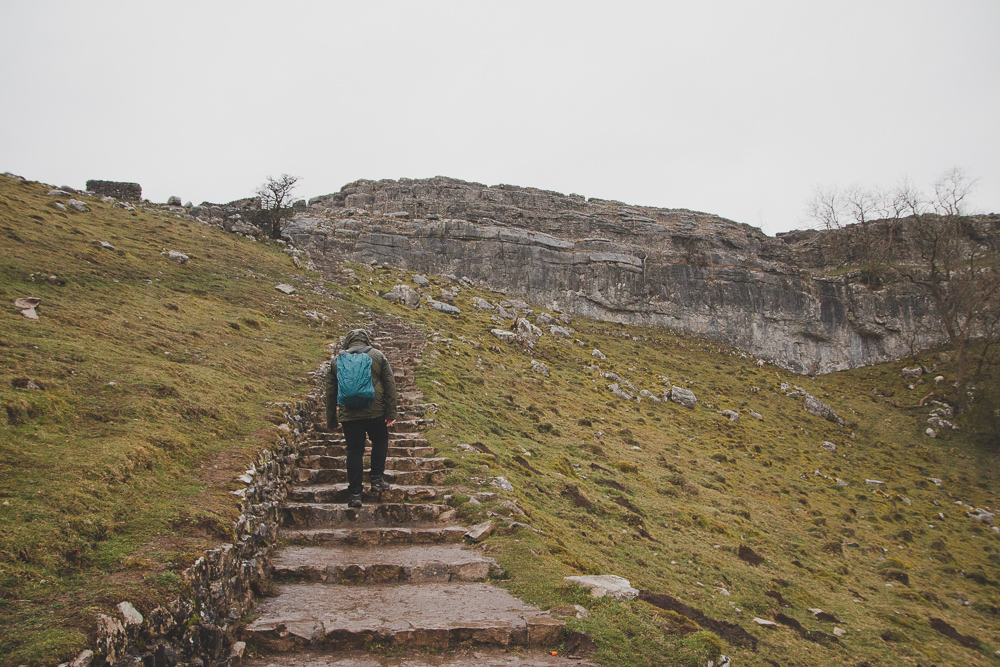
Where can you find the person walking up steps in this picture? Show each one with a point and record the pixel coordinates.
(361, 395)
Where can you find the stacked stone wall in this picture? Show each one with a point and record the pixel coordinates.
(116, 189)
(200, 627)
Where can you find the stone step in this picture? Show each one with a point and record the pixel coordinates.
(337, 493)
(405, 478)
(372, 537)
(401, 439)
(319, 515)
(341, 450)
(478, 656)
(400, 463)
(388, 565)
(429, 616)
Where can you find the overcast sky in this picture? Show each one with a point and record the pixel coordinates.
(735, 108)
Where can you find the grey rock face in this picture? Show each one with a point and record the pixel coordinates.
(692, 272)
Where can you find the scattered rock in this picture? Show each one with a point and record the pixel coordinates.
(27, 306)
(841, 482)
(83, 660)
(403, 294)
(285, 288)
(683, 396)
(645, 393)
(875, 482)
(732, 415)
(443, 307)
(605, 585)
(913, 373)
(544, 319)
(840, 632)
(133, 619)
(982, 516)
(107, 246)
(480, 531)
(561, 332)
(501, 483)
(930, 433)
(421, 280)
(527, 332)
(480, 304)
(941, 424)
(756, 415)
(540, 368)
(829, 446)
(77, 204)
(178, 257)
(173, 200)
(935, 481)
(764, 622)
(59, 205)
(504, 335)
(818, 408)
(597, 354)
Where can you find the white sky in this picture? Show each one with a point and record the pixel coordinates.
(735, 108)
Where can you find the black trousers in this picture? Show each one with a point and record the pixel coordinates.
(354, 434)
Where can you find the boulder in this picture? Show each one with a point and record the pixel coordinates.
(403, 294)
(178, 257)
(597, 354)
(77, 204)
(504, 335)
(480, 531)
(560, 332)
(527, 332)
(421, 280)
(913, 373)
(683, 396)
(818, 408)
(544, 319)
(731, 414)
(482, 304)
(284, 288)
(501, 483)
(173, 200)
(829, 446)
(540, 368)
(605, 585)
(443, 307)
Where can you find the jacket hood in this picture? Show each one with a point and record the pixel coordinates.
(354, 338)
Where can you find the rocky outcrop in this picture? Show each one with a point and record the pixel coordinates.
(692, 272)
(116, 189)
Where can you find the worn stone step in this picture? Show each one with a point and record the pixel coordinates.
(387, 565)
(337, 493)
(317, 515)
(371, 537)
(430, 616)
(341, 450)
(400, 439)
(406, 478)
(400, 463)
(478, 656)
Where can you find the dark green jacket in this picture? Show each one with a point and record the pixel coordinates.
(383, 406)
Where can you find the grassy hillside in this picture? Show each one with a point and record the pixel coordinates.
(157, 381)
(666, 496)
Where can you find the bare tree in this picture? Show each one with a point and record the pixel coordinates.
(928, 240)
(863, 222)
(956, 269)
(275, 203)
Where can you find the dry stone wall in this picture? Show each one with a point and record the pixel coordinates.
(116, 189)
(200, 627)
(689, 271)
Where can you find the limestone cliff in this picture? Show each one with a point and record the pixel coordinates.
(693, 272)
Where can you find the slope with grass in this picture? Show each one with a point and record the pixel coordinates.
(678, 500)
(156, 381)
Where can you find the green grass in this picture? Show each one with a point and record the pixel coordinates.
(672, 515)
(157, 382)
(108, 491)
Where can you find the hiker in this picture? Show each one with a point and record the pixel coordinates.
(367, 405)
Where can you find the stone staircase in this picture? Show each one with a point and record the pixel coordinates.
(391, 581)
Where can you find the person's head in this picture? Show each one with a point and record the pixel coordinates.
(355, 337)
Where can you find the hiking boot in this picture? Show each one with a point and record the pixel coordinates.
(379, 485)
(355, 501)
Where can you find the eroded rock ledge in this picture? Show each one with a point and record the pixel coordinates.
(692, 272)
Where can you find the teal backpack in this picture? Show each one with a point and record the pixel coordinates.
(355, 388)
